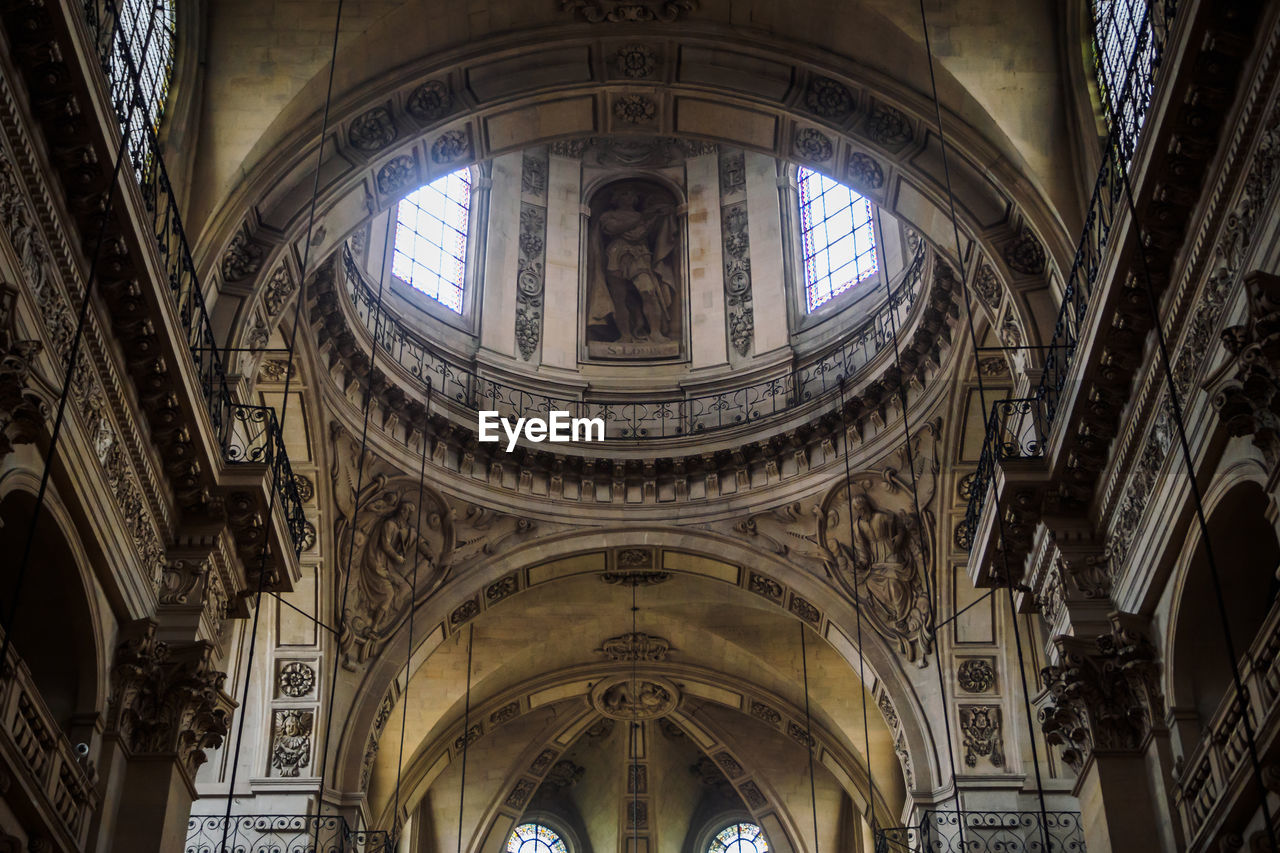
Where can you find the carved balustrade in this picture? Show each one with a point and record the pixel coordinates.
(45, 773)
(1218, 771)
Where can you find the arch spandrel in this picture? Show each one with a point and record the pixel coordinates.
(571, 559)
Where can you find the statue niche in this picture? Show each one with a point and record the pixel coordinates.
(635, 258)
(388, 532)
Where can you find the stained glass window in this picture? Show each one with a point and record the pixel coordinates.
(838, 245)
(143, 46)
(1124, 52)
(431, 238)
(535, 838)
(738, 838)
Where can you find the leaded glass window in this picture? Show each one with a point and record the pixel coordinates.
(143, 46)
(535, 838)
(1124, 53)
(838, 244)
(738, 838)
(431, 238)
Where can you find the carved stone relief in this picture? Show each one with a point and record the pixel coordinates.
(640, 11)
(980, 729)
(387, 540)
(1024, 254)
(636, 646)
(624, 698)
(297, 679)
(531, 262)
(864, 174)
(635, 61)
(450, 147)
(882, 556)
(635, 289)
(829, 99)
(372, 131)
(737, 250)
(291, 741)
(430, 102)
(635, 109)
(21, 409)
(976, 675)
(632, 152)
(888, 127)
(812, 145)
(242, 259)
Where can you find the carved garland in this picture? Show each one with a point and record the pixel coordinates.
(531, 264)
(737, 250)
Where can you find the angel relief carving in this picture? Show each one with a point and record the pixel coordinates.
(882, 557)
(385, 540)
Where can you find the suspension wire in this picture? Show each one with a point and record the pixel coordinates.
(355, 512)
(1197, 499)
(73, 358)
(413, 610)
(466, 731)
(808, 733)
(264, 554)
(296, 609)
(963, 610)
(973, 338)
(932, 589)
(857, 609)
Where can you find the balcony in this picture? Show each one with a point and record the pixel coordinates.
(226, 460)
(986, 832)
(51, 786)
(282, 834)
(1215, 782)
(1044, 449)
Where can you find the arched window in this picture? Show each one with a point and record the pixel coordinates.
(1124, 55)
(431, 238)
(143, 46)
(535, 838)
(838, 244)
(739, 838)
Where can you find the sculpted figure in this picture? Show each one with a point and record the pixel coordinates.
(384, 575)
(882, 553)
(633, 276)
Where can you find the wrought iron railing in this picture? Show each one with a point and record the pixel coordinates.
(245, 433)
(1040, 408)
(986, 832)
(671, 416)
(281, 834)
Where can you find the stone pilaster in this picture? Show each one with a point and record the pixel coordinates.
(166, 707)
(1106, 713)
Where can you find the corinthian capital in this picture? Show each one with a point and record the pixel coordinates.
(22, 413)
(1104, 692)
(167, 699)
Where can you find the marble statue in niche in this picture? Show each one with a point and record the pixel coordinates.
(634, 288)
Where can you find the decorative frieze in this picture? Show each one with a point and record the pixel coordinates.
(737, 250)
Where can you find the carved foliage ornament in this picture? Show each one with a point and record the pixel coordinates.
(635, 61)
(167, 699)
(976, 675)
(828, 99)
(1102, 695)
(616, 11)
(636, 646)
(1250, 403)
(372, 131)
(812, 144)
(980, 728)
(635, 109)
(530, 277)
(297, 679)
(864, 173)
(430, 102)
(21, 410)
(625, 698)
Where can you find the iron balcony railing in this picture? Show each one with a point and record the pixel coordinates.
(282, 834)
(634, 420)
(1018, 428)
(986, 832)
(245, 433)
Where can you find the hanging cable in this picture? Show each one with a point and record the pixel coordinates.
(355, 513)
(77, 337)
(1197, 500)
(857, 609)
(284, 408)
(973, 339)
(931, 588)
(808, 733)
(634, 781)
(413, 610)
(466, 733)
